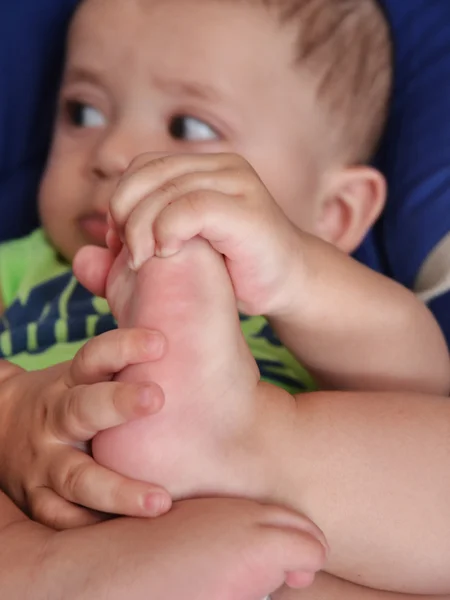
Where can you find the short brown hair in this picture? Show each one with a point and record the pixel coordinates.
(347, 43)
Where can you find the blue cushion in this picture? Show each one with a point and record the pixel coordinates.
(31, 52)
(414, 155)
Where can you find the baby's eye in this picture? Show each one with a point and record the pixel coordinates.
(85, 116)
(183, 127)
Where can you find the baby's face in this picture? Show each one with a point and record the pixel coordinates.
(177, 76)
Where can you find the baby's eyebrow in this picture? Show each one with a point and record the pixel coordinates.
(76, 73)
(192, 89)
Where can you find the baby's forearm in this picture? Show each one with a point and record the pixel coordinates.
(327, 587)
(356, 329)
(372, 471)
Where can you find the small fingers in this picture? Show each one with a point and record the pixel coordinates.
(53, 511)
(298, 554)
(282, 517)
(87, 410)
(210, 185)
(146, 176)
(206, 213)
(299, 545)
(80, 480)
(105, 355)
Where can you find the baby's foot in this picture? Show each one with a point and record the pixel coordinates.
(208, 374)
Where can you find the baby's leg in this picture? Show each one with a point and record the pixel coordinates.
(207, 374)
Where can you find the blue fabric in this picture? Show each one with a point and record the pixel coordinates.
(32, 36)
(441, 308)
(414, 155)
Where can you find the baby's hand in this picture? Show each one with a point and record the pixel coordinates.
(227, 549)
(163, 202)
(48, 417)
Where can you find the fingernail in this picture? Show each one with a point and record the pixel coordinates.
(146, 399)
(149, 400)
(156, 504)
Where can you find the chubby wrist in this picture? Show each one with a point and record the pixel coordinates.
(294, 289)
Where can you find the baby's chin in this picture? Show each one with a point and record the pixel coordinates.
(67, 253)
(69, 247)
(93, 228)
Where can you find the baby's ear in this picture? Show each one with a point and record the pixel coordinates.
(354, 201)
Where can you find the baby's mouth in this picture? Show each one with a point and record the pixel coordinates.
(95, 227)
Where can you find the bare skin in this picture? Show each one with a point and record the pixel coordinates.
(189, 297)
(239, 550)
(251, 441)
(94, 145)
(207, 361)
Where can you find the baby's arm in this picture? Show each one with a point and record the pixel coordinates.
(356, 329)
(353, 328)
